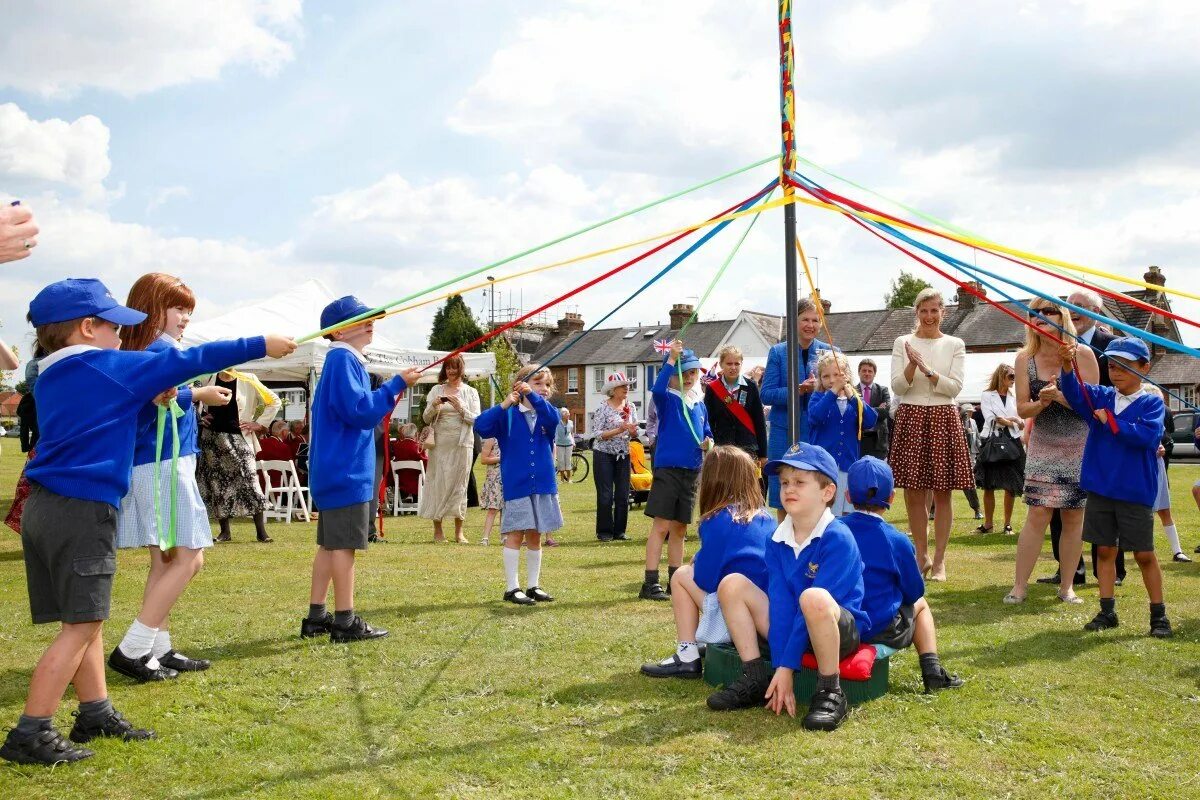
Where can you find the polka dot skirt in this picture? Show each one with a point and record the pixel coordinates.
(929, 450)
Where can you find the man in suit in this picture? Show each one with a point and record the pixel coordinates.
(1096, 337)
(876, 395)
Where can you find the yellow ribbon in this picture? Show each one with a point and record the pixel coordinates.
(268, 397)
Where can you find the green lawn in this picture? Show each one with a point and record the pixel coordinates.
(471, 697)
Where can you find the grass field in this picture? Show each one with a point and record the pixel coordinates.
(471, 697)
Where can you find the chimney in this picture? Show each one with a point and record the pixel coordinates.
(1155, 276)
(570, 323)
(968, 300)
(825, 304)
(679, 315)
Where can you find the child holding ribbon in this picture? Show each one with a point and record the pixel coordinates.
(837, 416)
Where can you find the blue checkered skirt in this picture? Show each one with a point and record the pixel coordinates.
(136, 521)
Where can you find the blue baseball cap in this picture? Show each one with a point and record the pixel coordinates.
(687, 360)
(870, 482)
(76, 298)
(803, 455)
(342, 309)
(1127, 347)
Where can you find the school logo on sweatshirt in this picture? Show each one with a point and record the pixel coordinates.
(812, 570)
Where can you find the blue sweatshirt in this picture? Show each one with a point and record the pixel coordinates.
(1124, 465)
(891, 577)
(676, 446)
(728, 547)
(88, 403)
(835, 431)
(526, 456)
(147, 434)
(345, 411)
(774, 391)
(829, 561)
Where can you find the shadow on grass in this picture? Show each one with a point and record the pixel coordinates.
(12, 555)
(1055, 645)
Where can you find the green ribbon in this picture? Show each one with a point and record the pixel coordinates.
(166, 540)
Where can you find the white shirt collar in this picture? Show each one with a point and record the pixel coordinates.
(786, 533)
(690, 399)
(1088, 335)
(162, 337)
(61, 353)
(1123, 401)
(357, 354)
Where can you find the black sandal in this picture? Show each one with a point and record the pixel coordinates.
(984, 529)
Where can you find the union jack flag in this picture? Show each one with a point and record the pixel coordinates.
(662, 346)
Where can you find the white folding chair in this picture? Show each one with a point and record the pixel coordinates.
(289, 497)
(399, 505)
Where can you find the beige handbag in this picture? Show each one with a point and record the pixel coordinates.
(427, 438)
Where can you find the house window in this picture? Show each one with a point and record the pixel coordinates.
(598, 378)
(651, 374)
(1188, 394)
(631, 372)
(572, 380)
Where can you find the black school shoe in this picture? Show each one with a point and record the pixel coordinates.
(519, 598)
(604, 537)
(620, 537)
(748, 691)
(1102, 621)
(1160, 628)
(539, 594)
(181, 663)
(48, 747)
(674, 667)
(941, 680)
(310, 628)
(113, 726)
(356, 631)
(138, 668)
(826, 710)
(653, 591)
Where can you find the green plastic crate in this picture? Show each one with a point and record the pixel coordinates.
(722, 666)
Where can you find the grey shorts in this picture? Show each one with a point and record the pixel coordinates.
(1118, 523)
(70, 556)
(673, 494)
(899, 632)
(345, 528)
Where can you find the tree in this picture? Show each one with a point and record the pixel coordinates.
(454, 326)
(904, 291)
(507, 364)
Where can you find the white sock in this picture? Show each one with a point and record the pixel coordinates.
(1173, 538)
(687, 652)
(512, 561)
(533, 567)
(162, 643)
(139, 640)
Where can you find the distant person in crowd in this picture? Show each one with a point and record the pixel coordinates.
(27, 419)
(836, 418)
(405, 447)
(971, 434)
(777, 394)
(564, 444)
(1000, 418)
(491, 498)
(297, 434)
(735, 410)
(1162, 502)
(928, 451)
(1054, 460)
(273, 447)
(450, 410)
(381, 457)
(612, 424)
(879, 397)
(18, 234)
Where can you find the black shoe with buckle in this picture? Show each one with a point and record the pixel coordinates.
(356, 631)
(653, 591)
(224, 537)
(826, 710)
(310, 628)
(114, 726)
(1160, 628)
(940, 680)
(748, 691)
(1102, 621)
(139, 668)
(674, 667)
(1050, 579)
(47, 747)
(181, 663)
(519, 598)
(539, 594)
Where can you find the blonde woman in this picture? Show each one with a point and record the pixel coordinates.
(1054, 460)
(928, 450)
(451, 408)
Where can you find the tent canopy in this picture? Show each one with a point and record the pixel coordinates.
(296, 312)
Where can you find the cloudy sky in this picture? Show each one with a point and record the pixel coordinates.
(246, 145)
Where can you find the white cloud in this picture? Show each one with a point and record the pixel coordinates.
(54, 150)
(165, 195)
(866, 31)
(138, 46)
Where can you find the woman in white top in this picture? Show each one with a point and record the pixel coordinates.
(929, 452)
(999, 406)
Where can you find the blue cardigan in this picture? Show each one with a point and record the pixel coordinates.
(147, 435)
(88, 403)
(526, 457)
(728, 547)
(835, 431)
(1124, 465)
(891, 577)
(345, 411)
(830, 562)
(676, 446)
(774, 391)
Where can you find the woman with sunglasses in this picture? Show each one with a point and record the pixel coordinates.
(1055, 457)
(999, 405)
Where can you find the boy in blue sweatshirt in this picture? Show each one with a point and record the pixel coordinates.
(893, 590)
(341, 468)
(677, 460)
(1120, 472)
(89, 395)
(813, 600)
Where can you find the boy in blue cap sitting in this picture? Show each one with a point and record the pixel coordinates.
(813, 601)
(894, 592)
(1120, 472)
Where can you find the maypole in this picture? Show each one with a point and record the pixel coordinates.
(787, 165)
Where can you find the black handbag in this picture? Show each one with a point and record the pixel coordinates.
(999, 448)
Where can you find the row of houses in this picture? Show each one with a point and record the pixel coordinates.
(592, 355)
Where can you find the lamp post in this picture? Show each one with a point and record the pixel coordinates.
(492, 298)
